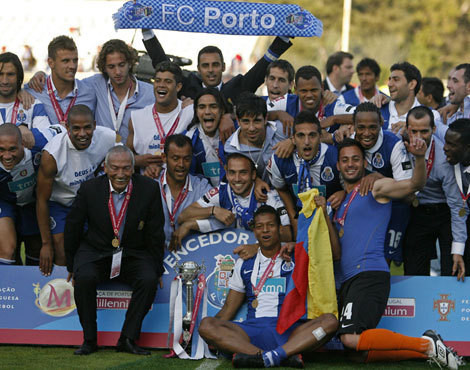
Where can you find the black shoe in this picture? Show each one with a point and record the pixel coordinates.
(244, 360)
(87, 348)
(441, 354)
(128, 345)
(294, 361)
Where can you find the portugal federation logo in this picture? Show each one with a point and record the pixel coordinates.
(55, 298)
(444, 306)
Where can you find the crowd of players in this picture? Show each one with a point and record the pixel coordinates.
(219, 153)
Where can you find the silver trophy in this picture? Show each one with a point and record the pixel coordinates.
(189, 271)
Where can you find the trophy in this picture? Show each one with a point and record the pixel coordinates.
(188, 271)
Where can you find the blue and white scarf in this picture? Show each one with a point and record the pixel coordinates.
(222, 17)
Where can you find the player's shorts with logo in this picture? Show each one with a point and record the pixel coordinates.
(362, 301)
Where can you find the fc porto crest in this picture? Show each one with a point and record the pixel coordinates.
(301, 20)
(135, 11)
(327, 174)
(217, 281)
(378, 160)
(444, 305)
(21, 116)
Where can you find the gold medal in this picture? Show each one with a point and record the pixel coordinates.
(118, 138)
(341, 232)
(415, 202)
(141, 225)
(254, 304)
(158, 152)
(115, 242)
(462, 212)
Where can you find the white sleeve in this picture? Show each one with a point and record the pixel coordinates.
(275, 201)
(210, 199)
(236, 281)
(274, 174)
(400, 161)
(342, 108)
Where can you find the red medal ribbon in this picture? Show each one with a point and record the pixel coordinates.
(259, 286)
(430, 161)
(179, 200)
(55, 104)
(343, 218)
(197, 303)
(14, 112)
(160, 129)
(112, 210)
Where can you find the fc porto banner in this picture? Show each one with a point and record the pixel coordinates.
(223, 17)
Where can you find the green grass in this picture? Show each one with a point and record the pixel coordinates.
(56, 358)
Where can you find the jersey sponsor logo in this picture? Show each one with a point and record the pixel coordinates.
(23, 184)
(211, 169)
(274, 285)
(327, 174)
(406, 165)
(287, 266)
(346, 326)
(378, 161)
(245, 271)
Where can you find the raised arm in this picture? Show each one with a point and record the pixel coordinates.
(387, 188)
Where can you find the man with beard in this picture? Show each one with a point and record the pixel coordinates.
(365, 275)
(69, 159)
(435, 211)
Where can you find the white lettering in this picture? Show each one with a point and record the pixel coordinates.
(254, 15)
(188, 245)
(170, 261)
(182, 251)
(215, 238)
(233, 21)
(165, 12)
(203, 240)
(243, 238)
(268, 21)
(242, 18)
(191, 17)
(210, 13)
(230, 237)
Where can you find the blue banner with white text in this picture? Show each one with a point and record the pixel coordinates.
(222, 17)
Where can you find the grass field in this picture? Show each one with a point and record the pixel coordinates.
(48, 358)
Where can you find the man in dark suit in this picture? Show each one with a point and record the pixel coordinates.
(124, 238)
(339, 71)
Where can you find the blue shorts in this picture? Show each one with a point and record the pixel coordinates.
(24, 217)
(396, 231)
(58, 213)
(263, 334)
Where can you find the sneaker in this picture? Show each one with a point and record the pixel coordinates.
(251, 361)
(294, 361)
(441, 354)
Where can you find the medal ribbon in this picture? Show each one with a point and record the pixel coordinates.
(244, 214)
(55, 104)
(160, 129)
(264, 277)
(430, 161)
(179, 200)
(14, 112)
(118, 116)
(458, 179)
(117, 222)
(343, 218)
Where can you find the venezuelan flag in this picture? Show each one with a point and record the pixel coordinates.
(311, 290)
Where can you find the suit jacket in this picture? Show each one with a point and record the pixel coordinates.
(142, 237)
(192, 83)
(326, 87)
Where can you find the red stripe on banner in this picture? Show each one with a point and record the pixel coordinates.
(74, 337)
(293, 307)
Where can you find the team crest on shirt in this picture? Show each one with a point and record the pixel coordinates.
(378, 161)
(287, 266)
(327, 174)
(217, 281)
(21, 116)
(37, 159)
(23, 173)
